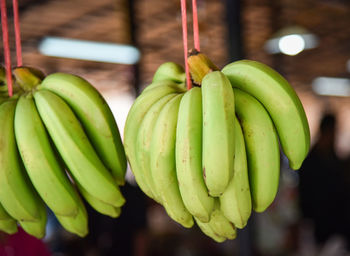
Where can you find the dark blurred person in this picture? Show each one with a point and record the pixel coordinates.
(323, 192)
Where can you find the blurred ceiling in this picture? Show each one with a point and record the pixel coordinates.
(155, 27)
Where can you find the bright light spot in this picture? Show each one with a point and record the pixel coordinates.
(333, 86)
(291, 44)
(89, 50)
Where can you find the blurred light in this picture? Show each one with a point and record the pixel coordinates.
(89, 50)
(332, 86)
(291, 44)
(120, 104)
(291, 41)
(348, 65)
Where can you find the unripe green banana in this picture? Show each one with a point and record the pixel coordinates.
(153, 85)
(78, 224)
(235, 202)
(96, 117)
(75, 149)
(189, 156)
(135, 116)
(143, 142)
(220, 224)
(170, 71)
(36, 228)
(206, 229)
(218, 132)
(281, 102)
(43, 167)
(7, 223)
(163, 165)
(98, 205)
(262, 149)
(17, 194)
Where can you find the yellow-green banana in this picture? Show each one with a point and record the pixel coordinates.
(206, 229)
(143, 142)
(75, 148)
(17, 194)
(135, 116)
(220, 224)
(7, 223)
(189, 156)
(96, 117)
(262, 149)
(36, 228)
(218, 132)
(156, 84)
(43, 167)
(235, 202)
(281, 102)
(78, 224)
(163, 165)
(98, 205)
(169, 71)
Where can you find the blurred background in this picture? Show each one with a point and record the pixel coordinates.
(307, 41)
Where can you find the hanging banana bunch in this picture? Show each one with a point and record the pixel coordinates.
(211, 154)
(58, 138)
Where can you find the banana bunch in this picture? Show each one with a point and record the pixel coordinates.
(211, 154)
(59, 140)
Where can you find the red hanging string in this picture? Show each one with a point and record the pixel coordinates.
(17, 33)
(5, 38)
(195, 25)
(185, 41)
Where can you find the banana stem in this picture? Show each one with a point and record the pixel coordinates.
(199, 65)
(28, 78)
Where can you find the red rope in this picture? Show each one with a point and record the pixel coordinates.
(195, 25)
(185, 41)
(17, 33)
(5, 37)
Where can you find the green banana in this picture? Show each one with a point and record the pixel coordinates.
(235, 202)
(156, 84)
(78, 224)
(218, 132)
(135, 116)
(17, 194)
(220, 224)
(206, 229)
(281, 102)
(7, 223)
(36, 228)
(262, 149)
(163, 165)
(96, 117)
(47, 175)
(98, 205)
(75, 148)
(189, 156)
(143, 142)
(170, 71)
